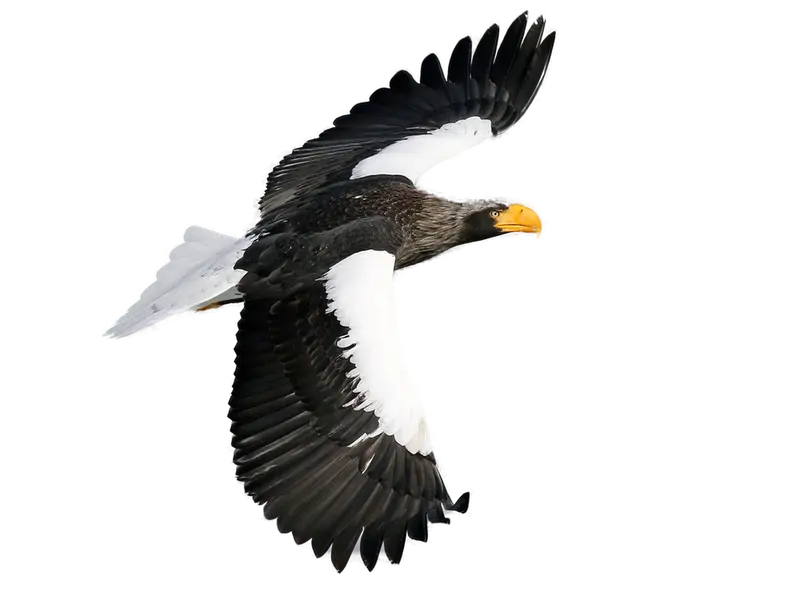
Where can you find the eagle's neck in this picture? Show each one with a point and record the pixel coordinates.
(436, 226)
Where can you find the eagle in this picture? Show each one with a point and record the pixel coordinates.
(328, 432)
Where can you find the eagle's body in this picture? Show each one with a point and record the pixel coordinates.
(327, 428)
(375, 213)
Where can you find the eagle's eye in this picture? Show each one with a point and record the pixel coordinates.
(494, 214)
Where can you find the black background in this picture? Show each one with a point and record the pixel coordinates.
(202, 96)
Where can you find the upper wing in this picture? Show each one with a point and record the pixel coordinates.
(327, 429)
(409, 127)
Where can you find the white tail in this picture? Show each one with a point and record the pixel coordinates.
(199, 273)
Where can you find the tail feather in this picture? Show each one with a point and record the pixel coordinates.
(199, 272)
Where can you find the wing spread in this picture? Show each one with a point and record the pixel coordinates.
(328, 432)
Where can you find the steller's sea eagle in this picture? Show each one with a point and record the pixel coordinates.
(328, 433)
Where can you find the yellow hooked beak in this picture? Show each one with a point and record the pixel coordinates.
(519, 218)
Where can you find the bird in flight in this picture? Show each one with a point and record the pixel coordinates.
(328, 433)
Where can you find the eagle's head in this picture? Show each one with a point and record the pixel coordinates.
(492, 219)
(447, 226)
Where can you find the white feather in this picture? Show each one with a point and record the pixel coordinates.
(359, 291)
(199, 272)
(416, 155)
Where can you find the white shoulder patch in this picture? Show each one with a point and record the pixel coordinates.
(416, 155)
(360, 295)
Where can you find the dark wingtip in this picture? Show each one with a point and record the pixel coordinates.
(462, 504)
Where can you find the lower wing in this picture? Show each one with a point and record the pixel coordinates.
(326, 428)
